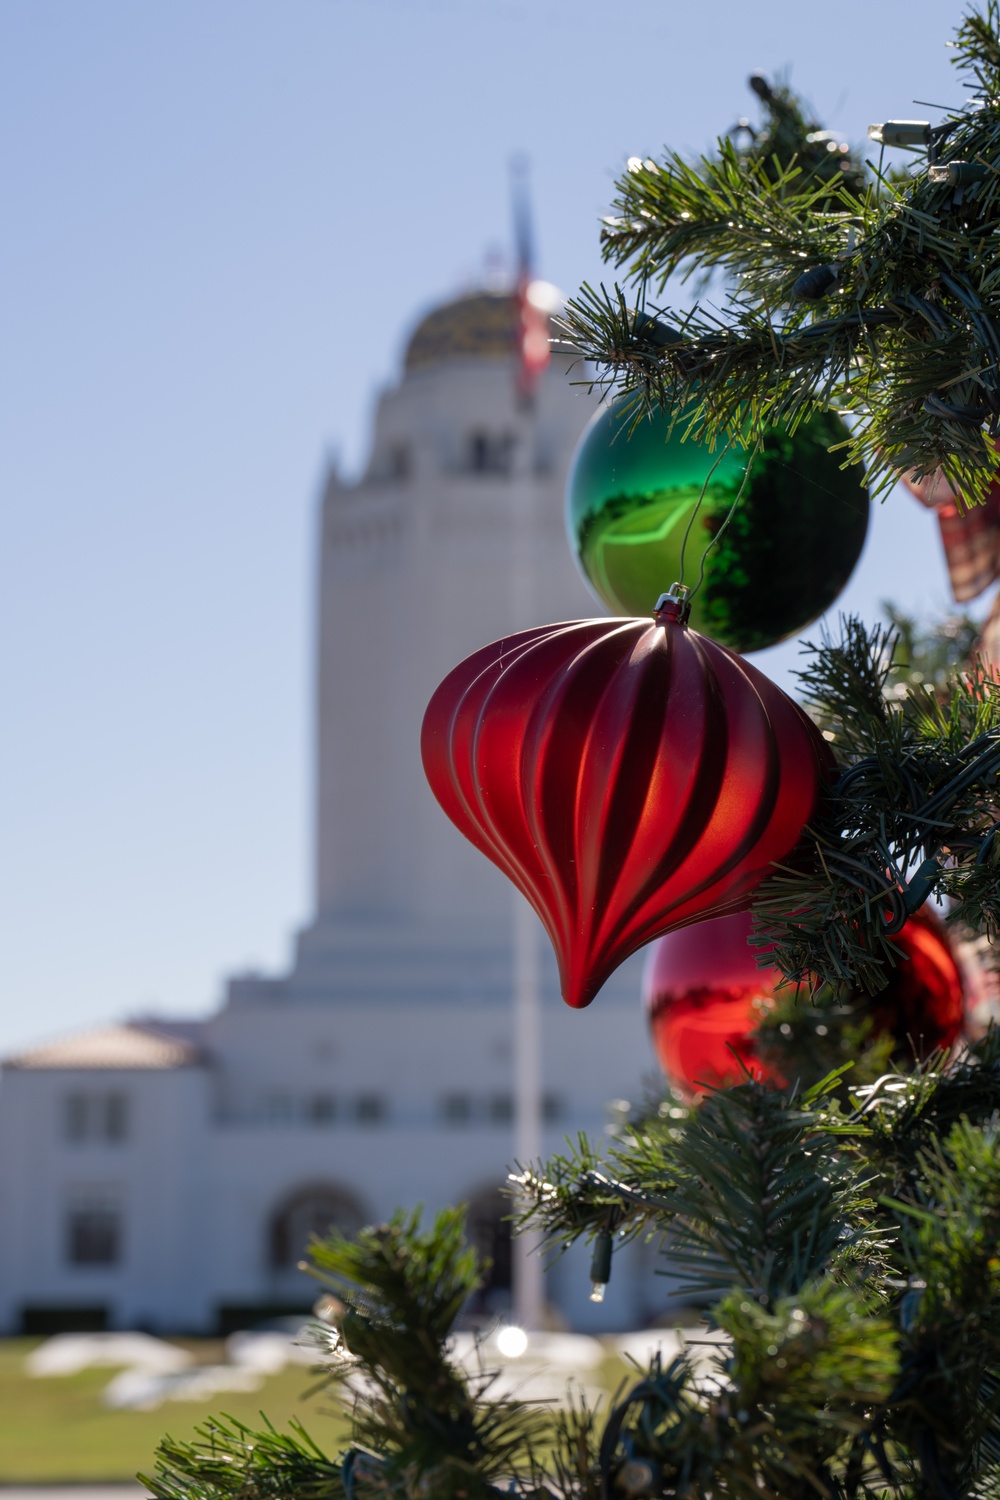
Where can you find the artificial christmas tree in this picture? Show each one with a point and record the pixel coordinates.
(844, 1240)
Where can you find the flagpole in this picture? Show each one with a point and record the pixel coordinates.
(527, 1266)
(528, 1270)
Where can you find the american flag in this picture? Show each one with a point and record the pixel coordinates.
(532, 330)
(532, 339)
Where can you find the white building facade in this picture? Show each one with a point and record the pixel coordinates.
(168, 1175)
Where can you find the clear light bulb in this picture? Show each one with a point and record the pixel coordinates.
(512, 1341)
(901, 132)
(597, 1290)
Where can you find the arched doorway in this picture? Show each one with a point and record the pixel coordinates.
(489, 1230)
(311, 1210)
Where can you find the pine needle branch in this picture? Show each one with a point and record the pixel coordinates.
(910, 815)
(945, 1406)
(227, 1460)
(414, 1408)
(882, 298)
(733, 1182)
(723, 211)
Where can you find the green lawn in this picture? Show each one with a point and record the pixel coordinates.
(56, 1428)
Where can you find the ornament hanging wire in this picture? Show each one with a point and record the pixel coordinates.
(694, 514)
(713, 541)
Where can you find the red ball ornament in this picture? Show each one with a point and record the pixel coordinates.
(705, 997)
(923, 1003)
(629, 776)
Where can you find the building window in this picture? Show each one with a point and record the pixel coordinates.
(497, 1109)
(77, 1116)
(370, 1109)
(96, 1116)
(321, 1109)
(115, 1117)
(93, 1234)
(489, 1230)
(278, 1109)
(456, 1109)
(400, 462)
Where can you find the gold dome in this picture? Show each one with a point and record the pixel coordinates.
(480, 325)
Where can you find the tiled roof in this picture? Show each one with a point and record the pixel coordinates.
(127, 1046)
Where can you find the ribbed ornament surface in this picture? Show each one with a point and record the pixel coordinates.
(629, 776)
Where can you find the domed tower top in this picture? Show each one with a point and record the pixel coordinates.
(477, 325)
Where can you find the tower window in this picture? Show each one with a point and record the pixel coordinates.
(490, 453)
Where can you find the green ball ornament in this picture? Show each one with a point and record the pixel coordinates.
(786, 554)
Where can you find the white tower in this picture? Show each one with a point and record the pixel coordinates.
(454, 536)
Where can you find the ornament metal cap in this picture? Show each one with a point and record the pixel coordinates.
(673, 607)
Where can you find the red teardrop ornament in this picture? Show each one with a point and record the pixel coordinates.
(629, 776)
(703, 995)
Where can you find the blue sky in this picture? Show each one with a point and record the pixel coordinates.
(220, 219)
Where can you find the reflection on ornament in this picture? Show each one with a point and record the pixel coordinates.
(782, 560)
(705, 997)
(629, 776)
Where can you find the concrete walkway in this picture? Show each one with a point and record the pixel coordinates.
(71, 1492)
